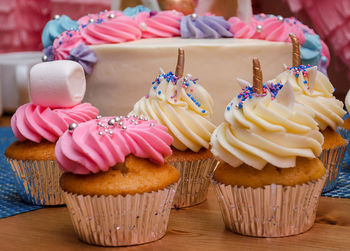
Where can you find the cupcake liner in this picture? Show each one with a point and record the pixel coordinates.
(38, 181)
(121, 220)
(346, 135)
(194, 181)
(332, 161)
(270, 211)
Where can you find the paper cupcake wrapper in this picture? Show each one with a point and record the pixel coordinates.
(346, 135)
(38, 181)
(194, 181)
(332, 160)
(271, 211)
(121, 220)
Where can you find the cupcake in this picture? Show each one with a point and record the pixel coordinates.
(344, 130)
(117, 186)
(269, 179)
(314, 90)
(56, 89)
(185, 108)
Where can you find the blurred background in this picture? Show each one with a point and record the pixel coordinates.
(22, 22)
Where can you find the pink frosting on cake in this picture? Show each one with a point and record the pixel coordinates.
(163, 24)
(35, 122)
(240, 29)
(118, 29)
(101, 15)
(66, 42)
(276, 30)
(99, 144)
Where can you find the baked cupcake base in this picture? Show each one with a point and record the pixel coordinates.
(332, 156)
(37, 173)
(271, 210)
(195, 170)
(121, 220)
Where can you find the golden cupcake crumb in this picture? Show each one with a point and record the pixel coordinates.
(305, 170)
(135, 175)
(346, 124)
(332, 139)
(29, 150)
(188, 155)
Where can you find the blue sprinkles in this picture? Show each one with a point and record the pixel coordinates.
(248, 93)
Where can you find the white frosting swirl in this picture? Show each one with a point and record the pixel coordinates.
(315, 91)
(183, 106)
(266, 131)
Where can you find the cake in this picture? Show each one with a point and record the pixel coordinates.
(117, 185)
(122, 50)
(57, 89)
(269, 179)
(314, 90)
(185, 107)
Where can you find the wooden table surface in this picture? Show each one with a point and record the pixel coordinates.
(195, 228)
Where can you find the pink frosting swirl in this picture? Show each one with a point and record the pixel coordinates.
(99, 144)
(35, 122)
(163, 24)
(118, 29)
(276, 30)
(101, 15)
(240, 29)
(66, 42)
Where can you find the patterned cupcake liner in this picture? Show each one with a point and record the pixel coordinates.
(270, 211)
(194, 181)
(346, 135)
(38, 181)
(121, 220)
(332, 160)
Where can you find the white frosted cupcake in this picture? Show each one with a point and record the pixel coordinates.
(269, 179)
(314, 90)
(185, 108)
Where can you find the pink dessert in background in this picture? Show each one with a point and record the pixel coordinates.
(240, 29)
(35, 122)
(162, 24)
(118, 29)
(99, 144)
(65, 43)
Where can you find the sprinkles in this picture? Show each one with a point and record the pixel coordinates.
(188, 84)
(248, 93)
(300, 70)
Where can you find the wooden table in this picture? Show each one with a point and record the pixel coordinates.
(195, 228)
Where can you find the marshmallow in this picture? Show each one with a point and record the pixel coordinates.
(57, 84)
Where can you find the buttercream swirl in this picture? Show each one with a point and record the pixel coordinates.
(266, 131)
(55, 27)
(163, 24)
(35, 122)
(118, 29)
(310, 52)
(204, 27)
(133, 11)
(275, 29)
(183, 106)
(240, 29)
(103, 15)
(97, 145)
(65, 43)
(314, 90)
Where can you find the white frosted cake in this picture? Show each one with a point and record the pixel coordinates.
(121, 51)
(124, 72)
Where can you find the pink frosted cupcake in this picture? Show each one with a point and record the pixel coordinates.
(117, 186)
(57, 89)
